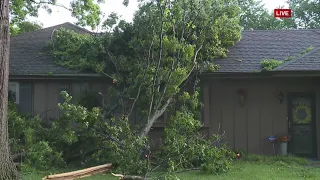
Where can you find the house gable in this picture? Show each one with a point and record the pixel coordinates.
(27, 57)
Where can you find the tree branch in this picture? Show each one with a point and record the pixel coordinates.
(155, 116)
(50, 3)
(159, 62)
(194, 65)
(134, 102)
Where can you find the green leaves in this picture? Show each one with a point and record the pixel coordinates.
(110, 21)
(255, 16)
(306, 13)
(184, 146)
(152, 57)
(270, 64)
(87, 12)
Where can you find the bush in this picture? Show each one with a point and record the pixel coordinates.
(42, 156)
(29, 136)
(79, 136)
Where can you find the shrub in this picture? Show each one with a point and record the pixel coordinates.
(42, 156)
(29, 136)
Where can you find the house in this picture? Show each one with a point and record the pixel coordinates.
(251, 104)
(248, 103)
(35, 80)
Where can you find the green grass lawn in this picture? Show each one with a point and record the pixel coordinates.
(254, 168)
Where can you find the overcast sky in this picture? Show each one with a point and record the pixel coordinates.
(60, 15)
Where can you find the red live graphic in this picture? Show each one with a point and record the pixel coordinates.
(282, 13)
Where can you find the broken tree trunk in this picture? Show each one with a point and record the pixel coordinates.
(80, 173)
(155, 116)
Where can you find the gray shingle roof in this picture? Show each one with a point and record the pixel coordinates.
(308, 62)
(245, 56)
(25, 56)
(257, 45)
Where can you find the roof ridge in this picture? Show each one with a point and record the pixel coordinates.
(78, 27)
(270, 30)
(54, 27)
(295, 59)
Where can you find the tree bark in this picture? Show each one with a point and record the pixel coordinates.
(8, 171)
(153, 118)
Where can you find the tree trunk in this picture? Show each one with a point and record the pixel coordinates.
(8, 171)
(153, 118)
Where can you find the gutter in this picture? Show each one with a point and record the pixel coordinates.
(259, 75)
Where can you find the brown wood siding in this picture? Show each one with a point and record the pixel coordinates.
(52, 100)
(253, 119)
(76, 90)
(248, 127)
(46, 95)
(40, 100)
(317, 122)
(206, 103)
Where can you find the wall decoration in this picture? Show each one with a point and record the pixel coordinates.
(302, 114)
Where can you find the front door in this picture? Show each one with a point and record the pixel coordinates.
(301, 124)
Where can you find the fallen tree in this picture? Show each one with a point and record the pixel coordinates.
(150, 61)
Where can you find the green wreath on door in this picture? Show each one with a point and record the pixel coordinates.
(307, 111)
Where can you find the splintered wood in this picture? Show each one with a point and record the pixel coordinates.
(80, 173)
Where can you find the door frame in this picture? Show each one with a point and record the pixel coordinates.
(292, 95)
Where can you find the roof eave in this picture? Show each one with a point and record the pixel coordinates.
(263, 74)
(59, 77)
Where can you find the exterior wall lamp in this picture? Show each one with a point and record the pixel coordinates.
(242, 93)
(280, 97)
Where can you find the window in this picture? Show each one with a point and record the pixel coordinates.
(13, 92)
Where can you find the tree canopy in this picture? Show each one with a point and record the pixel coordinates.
(256, 16)
(23, 27)
(87, 12)
(305, 14)
(152, 57)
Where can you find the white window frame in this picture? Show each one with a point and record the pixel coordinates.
(17, 91)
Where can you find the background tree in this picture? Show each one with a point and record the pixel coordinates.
(87, 12)
(306, 13)
(23, 27)
(255, 16)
